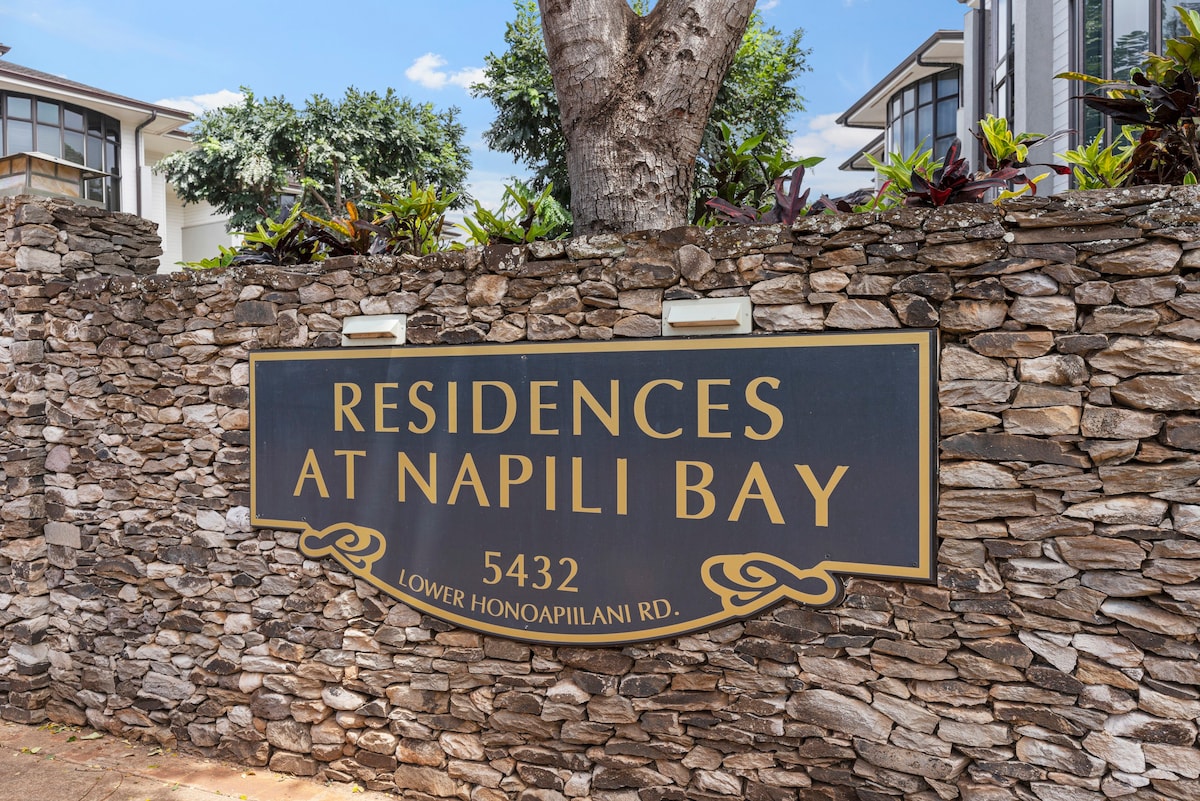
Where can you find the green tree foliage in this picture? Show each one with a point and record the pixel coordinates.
(757, 98)
(246, 155)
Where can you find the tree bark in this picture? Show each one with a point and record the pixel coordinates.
(635, 94)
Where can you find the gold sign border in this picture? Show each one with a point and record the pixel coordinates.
(745, 583)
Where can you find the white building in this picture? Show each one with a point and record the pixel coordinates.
(1003, 62)
(115, 141)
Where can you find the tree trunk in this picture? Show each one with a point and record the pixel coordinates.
(635, 94)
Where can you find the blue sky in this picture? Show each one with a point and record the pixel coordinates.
(183, 53)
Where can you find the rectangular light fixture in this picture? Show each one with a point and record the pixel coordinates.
(376, 329)
(706, 316)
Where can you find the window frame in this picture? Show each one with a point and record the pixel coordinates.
(933, 139)
(1002, 37)
(101, 141)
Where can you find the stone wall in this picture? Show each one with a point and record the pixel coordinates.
(57, 238)
(1056, 659)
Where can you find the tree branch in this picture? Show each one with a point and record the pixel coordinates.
(691, 42)
(587, 41)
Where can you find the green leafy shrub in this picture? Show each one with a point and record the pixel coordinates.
(279, 243)
(1004, 149)
(895, 177)
(742, 175)
(344, 236)
(953, 182)
(219, 262)
(523, 217)
(1098, 167)
(786, 205)
(413, 224)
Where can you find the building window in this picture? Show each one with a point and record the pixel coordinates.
(1111, 39)
(35, 124)
(924, 114)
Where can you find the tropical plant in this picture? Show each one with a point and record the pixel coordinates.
(524, 216)
(895, 176)
(281, 242)
(1098, 167)
(345, 236)
(1004, 149)
(787, 204)
(1025, 183)
(742, 173)
(414, 223)
(219, 262)
(862, 200)
(954, 183)
(1161, 99)
(790, 204)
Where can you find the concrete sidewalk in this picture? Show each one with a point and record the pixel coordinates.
(57, 762)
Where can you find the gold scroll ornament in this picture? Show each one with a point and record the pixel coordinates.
(356, 547)
(746, 583)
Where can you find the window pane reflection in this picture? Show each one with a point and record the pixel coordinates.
(947, 115)
(20, 137)
(1173, 27)
(1131, 35)
(19, 107)
(925, 123)
(49, 140)
(95, 152)
(73, 146)
(47, 112)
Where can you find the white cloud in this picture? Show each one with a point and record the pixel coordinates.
(198, 104)
(427, 71)
(488, 187)
(822, 136)
(768, 5)
(465, 78)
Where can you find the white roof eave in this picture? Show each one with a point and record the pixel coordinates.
(933, 57)
(166, 121)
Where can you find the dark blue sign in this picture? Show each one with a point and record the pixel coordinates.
(597, 493)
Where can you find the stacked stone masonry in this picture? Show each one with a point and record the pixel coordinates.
(57, 238)
(1056, 659)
